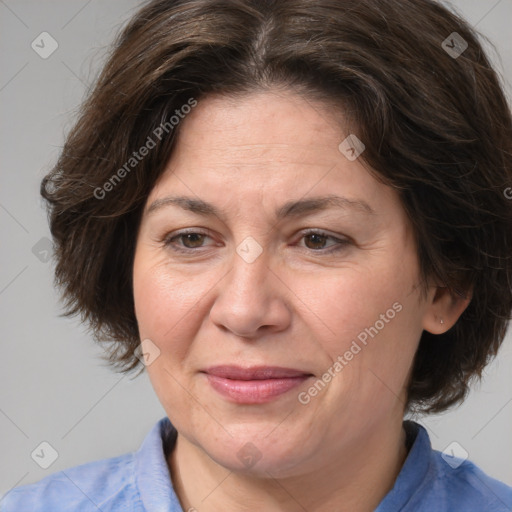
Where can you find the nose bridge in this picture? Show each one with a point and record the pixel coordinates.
(249, 296)
(250, 266)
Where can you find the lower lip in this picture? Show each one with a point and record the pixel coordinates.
(254, 391)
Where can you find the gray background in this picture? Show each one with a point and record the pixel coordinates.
(55, 387)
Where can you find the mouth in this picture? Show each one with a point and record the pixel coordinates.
(254, 385)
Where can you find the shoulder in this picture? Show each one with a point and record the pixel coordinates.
(441, 481)
(467, 487)
(99, 485)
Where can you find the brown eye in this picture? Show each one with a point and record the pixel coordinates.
(185, 241)
(316, 240)
(194, 239)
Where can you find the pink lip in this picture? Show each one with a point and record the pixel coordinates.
(254, 385)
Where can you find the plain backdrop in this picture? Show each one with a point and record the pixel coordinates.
(55, 388)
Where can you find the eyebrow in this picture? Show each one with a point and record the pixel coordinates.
(289, 209)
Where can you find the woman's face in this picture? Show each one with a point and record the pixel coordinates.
(340, 309)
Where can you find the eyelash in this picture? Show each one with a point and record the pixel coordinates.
(168, 241)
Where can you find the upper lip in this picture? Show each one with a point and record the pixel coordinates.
(254, 372)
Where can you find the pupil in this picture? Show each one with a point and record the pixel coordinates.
(192, 235)
(317, 236)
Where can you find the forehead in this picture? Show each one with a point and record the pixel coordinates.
(265, 147)
(263, 123)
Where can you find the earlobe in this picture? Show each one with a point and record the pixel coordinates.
(444, 309)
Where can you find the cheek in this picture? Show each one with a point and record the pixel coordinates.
(161, 298)
(166, 311)
(375, 315)
(361, 298)
(162, 295)
(171, 306)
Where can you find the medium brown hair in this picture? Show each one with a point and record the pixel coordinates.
(436, 127)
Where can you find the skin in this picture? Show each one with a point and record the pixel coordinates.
(296, 305)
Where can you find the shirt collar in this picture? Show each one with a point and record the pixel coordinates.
(413, 471)
(151, 470)
(158, 495)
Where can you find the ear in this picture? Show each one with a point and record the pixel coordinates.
(443, 309)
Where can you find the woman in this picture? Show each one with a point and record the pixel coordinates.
(294, 215)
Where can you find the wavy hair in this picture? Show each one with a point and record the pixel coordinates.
(436, 125)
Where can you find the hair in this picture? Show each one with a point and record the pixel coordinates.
(436, 126)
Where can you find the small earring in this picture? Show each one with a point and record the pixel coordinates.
(442, 321)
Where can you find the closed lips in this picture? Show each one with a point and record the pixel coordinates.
(255, 373)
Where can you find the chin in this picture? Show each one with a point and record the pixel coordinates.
(256, 455)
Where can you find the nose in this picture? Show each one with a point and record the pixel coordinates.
(252, 299)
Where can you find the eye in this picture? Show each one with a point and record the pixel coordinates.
(318, 238)
(191, 240)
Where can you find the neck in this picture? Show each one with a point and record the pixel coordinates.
(355, 478)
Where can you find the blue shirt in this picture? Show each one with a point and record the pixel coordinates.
(140, 482)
